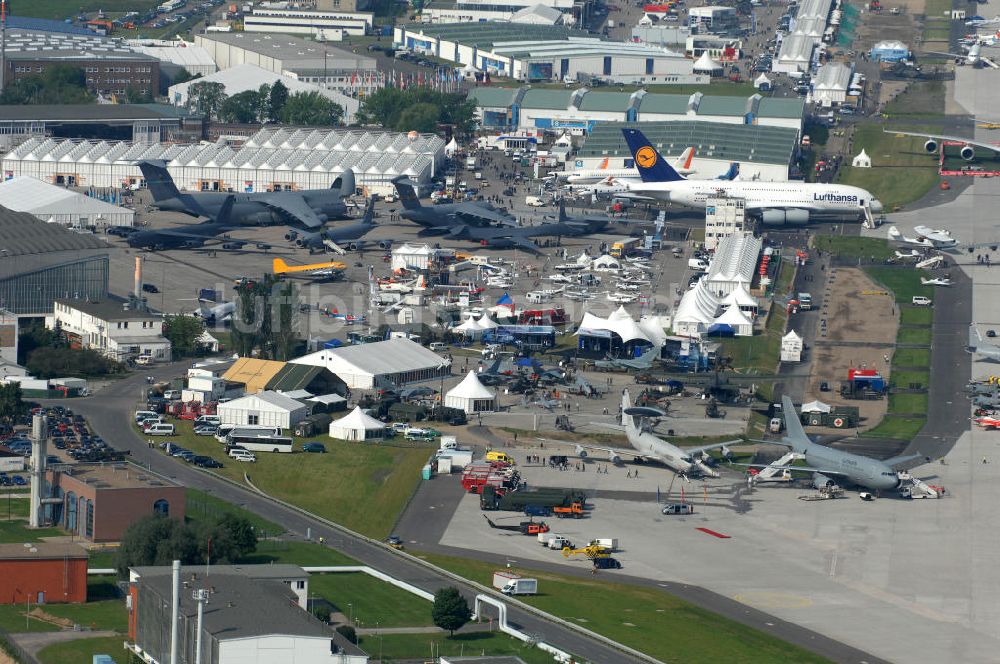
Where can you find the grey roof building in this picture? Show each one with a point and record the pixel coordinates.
(42, 262)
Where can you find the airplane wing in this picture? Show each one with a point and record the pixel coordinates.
(615, 451)
(524, 244)
(715, 446)
(294, 207)
(478, 216)
(899, 462)
(807, 469)
(942, 137)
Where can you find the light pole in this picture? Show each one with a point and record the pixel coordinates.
(350, 613)
(201, 596)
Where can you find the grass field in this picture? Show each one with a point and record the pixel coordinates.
(921, 98)
(853, 246)
(82, 651)
(417, 647)
(62, 9)
(912, 357)
(103, 610)
(901, 171)
(643, 618)
(17, 531)
(363, 486)
(14, 507)
(906, 378)
(908, 403)
(202, 505)
(896, 426)
(916, 316)
(903, 282)
(304, 554)
(759, 353)
(369, 601)
(937, 8)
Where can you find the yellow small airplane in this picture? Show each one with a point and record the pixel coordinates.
(279, 266)
(988, 125)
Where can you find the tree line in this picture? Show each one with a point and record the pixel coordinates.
(268, 103)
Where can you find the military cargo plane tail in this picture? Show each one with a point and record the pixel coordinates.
(406, 193)
(158, 180)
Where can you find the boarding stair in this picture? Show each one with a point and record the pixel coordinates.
(914, 487)
(778, 471)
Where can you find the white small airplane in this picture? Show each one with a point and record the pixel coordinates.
(914, 255)
(983, 21)
(938, 281)
(560, 278)
(647, 445)
(622, 298)
(926, 237)
(931, 263)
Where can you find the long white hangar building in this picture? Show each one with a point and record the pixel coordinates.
(579, 111)
(763, 153)
(546, 53)
(273, 158)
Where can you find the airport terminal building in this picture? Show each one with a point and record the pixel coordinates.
(763, 153)
(274, 158)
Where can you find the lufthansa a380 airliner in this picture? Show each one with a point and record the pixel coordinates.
(776, 203)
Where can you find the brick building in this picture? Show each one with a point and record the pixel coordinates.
(43, 573)
(100, 502)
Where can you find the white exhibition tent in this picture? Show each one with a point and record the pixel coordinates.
(357, 425)
(471, 396)
(606, 263)
(470, 328)
(742, 298)
(487, 323)
(56, 204)
(706, 65)
(816, 407)
(620, 322)
(736, 319)
(862, 160)
(451, 148)
(791, 347)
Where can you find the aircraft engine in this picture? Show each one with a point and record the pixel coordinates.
(931, 146)
(727, 453)
(821, 481)
(968, 153)
(616, 460)
(310, 240)
(385, 245)
(785, 217)
(291, 235)
(580, 452)
(356, 245)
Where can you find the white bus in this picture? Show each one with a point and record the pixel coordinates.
(260, 443)
(222, 433)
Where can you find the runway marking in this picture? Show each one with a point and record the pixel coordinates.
(713, 533)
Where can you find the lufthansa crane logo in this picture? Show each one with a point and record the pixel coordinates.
(646, 157)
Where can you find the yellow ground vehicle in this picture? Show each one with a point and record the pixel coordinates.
(499, 456)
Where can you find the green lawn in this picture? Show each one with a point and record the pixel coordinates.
(643, 618)
(82, 651)
(368, 600)
(895, 426)
(786, 277)
(914, 335)
(854, 246)
(102, 559)
(103, 614)
(417, 647)
(202, 505)
(908, 403)
(304, 554)
(62, 9)
(903, 282)
(901, 172)
(916, 316)
(14, 507)
(904, 378)
(17, 530)
(363, 486)
(920, 98)
(937, 8)
(759, 353)
(912, 357)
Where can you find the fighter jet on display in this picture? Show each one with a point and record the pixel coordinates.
(341, 238)
(828, 465)
(977, 347)
(307, 209)
(472, 213)
(644, 361)
(648, 446)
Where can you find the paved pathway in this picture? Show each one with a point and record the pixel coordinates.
(33, 642)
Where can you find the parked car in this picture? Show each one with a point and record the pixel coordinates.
(203, 461)
(678, 508)
(205, 430)
(243, 455)
(395, 542)
(314, 447)
(19, 481)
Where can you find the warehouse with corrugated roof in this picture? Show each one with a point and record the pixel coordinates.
(763, 153)
(273, 158)
(579, 111)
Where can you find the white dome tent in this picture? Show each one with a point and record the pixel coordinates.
(816, 407)
(487, 323)
(470, 328)
(862, 160)
(357, 425)
(606, 263)
(471, 396)
(706, 65)
(762, 83)
(736, 319)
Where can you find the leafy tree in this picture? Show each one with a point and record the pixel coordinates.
(12, 406)
(243, 107)
(58, 84)
(451, 610)
(277, 98)
(134, 95)
(206, 97)
(322, 613)
(347, 631)
(311, 109)
(34, 336)
(183, 76)
(265, 319)
(156, 540)
(183, 332)
(241, 531)
(52, 362)
(394, 108)
(419, 117)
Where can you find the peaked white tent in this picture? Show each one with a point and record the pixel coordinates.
(791, 347)
(862, 160)
(451, 148)
(736, 319)
(487, 323)
(762, 83)
(816, 407)
(706, 65)
(742, 298)
(469, 328)
(606, 263)
(471, 396)
(357, 425)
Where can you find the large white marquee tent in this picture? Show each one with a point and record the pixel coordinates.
(61, 205)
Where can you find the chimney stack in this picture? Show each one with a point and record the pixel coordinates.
(137, 288)
(39, 454)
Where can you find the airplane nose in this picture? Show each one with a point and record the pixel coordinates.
(876, 205)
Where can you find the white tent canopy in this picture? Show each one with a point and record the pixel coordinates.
(791, 347)
(762, 81)
(741, 297)
(862, 160)
(471, 396)
(619, 322)
(357, 425)
(606, 263)
(58, 204)
(816, 407)
(487, 323)
(706, 65)
(470, 327)
(451, 148)
(736, 319)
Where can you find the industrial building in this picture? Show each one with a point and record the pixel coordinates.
(720, 49)
(799, 49)
(713, 19)
(141, 123)
(322, 26)
(40, 263)
(543, 12)
(246, 617)
(831, 83)
(391, 363)
(100, 501)
(308, 61)
(274, 157)
(723, 217)
(250, 77)
(293, 576)
(764, 153)
(581, 111)
(110, 67)
(175, 55)
(43, 573)
(546, 53)
(60, 205)
(268, 409)
(113, 328)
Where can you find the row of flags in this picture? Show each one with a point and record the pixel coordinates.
(443, 79)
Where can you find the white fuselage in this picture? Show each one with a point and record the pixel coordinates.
(817, 198)
(596, 175)
(651, 446)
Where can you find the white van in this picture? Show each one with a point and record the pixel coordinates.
(160, 429)
(437, 346)
(697, 264)
(208, 419)
(243, 455)
(921, 301)
(534, 201)
(141, 415)
(144, 360)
